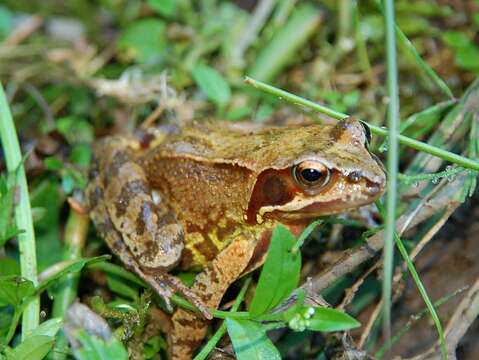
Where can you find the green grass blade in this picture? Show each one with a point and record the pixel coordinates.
(283, 46)
(392, 164)
(424, 66)
(23, 215)
(404, 140)
(424, 295)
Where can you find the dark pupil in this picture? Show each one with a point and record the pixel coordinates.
(311, 175)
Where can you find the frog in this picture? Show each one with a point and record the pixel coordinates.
(206, 196)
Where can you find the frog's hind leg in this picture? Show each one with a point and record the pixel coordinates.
(189, 328)
(163, 283)
(150, 230)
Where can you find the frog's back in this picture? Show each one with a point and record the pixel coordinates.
(257, 147)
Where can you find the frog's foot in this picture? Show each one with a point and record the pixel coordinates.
(189, 328)
(175, 284)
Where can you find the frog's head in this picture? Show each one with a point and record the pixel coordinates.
(315, 170)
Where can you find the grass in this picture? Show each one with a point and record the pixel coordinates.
(23, 215)
(391, 165)
(206, 51)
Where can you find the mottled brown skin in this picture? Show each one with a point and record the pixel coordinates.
(208, 196)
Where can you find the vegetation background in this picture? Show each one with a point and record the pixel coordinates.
(74, 71)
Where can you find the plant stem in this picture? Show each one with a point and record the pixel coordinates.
(23, 216)
(75, 235)
(392, 165)
(424, 295)
(412, 143)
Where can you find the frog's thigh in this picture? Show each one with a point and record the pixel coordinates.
(113, 238)
(189, 329)
(150, 230)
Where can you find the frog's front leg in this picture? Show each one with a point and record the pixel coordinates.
(189, 328)
(144, 234)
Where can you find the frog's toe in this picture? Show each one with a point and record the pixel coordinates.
(175, 284)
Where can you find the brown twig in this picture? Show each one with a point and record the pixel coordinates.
(23, 30)
(459, 323)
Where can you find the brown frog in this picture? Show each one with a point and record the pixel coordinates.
(207, 196)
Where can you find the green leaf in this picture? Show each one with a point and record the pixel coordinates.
(284, 48)
(250, 341)
(6, 207)
(153, 346)
(68, 267)
(144, 41)
(280, 273)
(9, 266)
(327, 319)
(94, 348)
(33, 348)
(13, 289)
(52, 163)
(6, 22)
(75, 129)
(212, 83)
(48, 328)
(122, 288)
(163, 7)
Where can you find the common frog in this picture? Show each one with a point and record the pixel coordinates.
(206, 197)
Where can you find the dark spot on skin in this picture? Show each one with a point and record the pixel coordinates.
(207, 248)
(120, 158)
(275, 190)
(145, 139)
(355, 176)
(187, 342)
(273, 187)
(186, 259)
(151, 250)
(94, 197)
(192, 323)
(338, 130)
(259, 252)
(142, 218)
(214, 276)
(206, 297)
(128, 190)
(117, 246)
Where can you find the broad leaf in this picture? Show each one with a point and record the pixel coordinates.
(144, 41)
(212, 83)
(69, 267)
(250, 341)
(33, 348)
(13, 289)
(280, 273)
(327, 319)
(164, 7)
(9, 266)
(48, 328)
(94, 348)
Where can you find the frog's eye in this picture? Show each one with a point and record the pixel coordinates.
(311, 174)
(367, 133)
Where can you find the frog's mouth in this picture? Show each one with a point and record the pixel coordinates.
(297, 210)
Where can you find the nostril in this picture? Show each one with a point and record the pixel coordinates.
(354, 176)
(373, 188)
